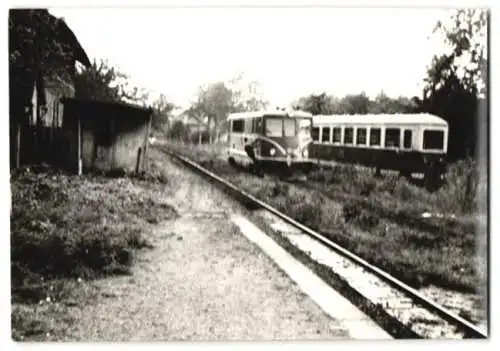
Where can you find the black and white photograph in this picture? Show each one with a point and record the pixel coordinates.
(248, 172)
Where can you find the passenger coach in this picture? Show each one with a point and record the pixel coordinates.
(408, 143)
(272, 140)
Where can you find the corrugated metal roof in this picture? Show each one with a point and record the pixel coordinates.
(396, 118)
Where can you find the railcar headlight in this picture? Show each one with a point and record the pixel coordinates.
(272, 151)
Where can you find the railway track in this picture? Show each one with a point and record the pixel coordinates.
(415, 312)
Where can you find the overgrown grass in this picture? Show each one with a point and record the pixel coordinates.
(379, 219)
(65, 228)
(459, 195)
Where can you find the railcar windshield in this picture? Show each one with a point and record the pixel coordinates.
(287, 127)
(274, 127)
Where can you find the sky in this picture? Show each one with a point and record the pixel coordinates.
(291, 52)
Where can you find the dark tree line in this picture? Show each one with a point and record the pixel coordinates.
(319, 104)
(457, 81)
(455, 87)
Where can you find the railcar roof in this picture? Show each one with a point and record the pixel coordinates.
(396, 118)
(282, 113)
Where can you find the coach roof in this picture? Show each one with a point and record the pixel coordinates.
(261, 113)
(396, 118)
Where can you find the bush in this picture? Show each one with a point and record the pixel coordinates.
(304, 210)
(366, 186)
(280, 189)
(460, 191)
(67, 226)
(195, 137)
(354, 213)
(388, 184)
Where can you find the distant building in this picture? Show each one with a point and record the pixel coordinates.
(193, 124)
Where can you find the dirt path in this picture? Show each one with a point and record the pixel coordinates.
(203, 281)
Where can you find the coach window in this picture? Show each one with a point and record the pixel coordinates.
(274, 127)
(375, 137)
(257, 125)
(315, 133)
(433, 140)
(248, 125)
(289, 127)
(392, 136)
(361, 136)
(348, 135)
(407, 139)
(238, 125)
(337, 135)
(325, 134)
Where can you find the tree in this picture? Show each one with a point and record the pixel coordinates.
(162, 110)
(456, 79)
(178, 131)
(317, 104)
(386, 104)
(216, 100)
(42, 49)
(355, 104)
(106, 83)
(214, 103)
(247, 94)
(465, 37)
(40, 42)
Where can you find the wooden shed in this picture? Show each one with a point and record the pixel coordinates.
(38, 78)
(105, 136)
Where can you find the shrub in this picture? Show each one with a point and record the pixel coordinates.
(460, 191)
(354, 213)
(64, 226)
(366, 186)
(280, 189)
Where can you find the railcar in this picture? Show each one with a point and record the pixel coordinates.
(408, 143)
(270, 140)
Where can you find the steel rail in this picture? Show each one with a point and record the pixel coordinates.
(470, 330)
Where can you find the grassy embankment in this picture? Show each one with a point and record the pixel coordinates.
(380, 219)
(67, 231)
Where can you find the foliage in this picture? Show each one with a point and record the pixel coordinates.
(246, 94)
(353, 213)
(379, 219)
(216, 100)
(354, 104)
(455, 86)
(66, 226)
(178, 131)
(103, 82)
(37, 42)
(200, 137)
(162, 110)
(317, 104)
(456, 82)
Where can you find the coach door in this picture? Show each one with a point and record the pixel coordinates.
(257, 125)
(237, 130)
(255, 132)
